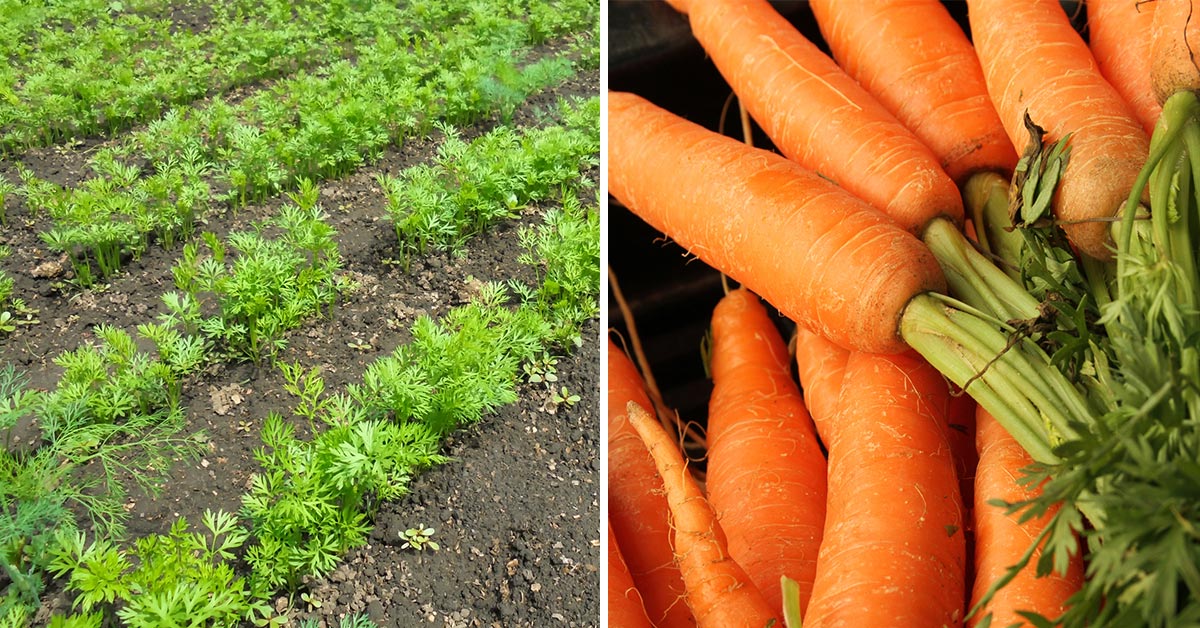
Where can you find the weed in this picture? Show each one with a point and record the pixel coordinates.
(562, 395)
(419, 538)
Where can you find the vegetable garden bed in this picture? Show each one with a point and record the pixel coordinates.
(513, 506)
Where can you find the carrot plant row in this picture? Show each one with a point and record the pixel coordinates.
(1058, 290)
(306, 126)
(314, 497)
(470, 186)
(109, 75)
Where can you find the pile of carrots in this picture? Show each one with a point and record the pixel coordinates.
(849, 480)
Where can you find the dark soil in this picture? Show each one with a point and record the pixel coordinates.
(516, 510)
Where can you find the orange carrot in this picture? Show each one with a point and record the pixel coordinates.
(822, 257)
(1000, 540)
(821, 366)
(637, 511)
(893, 552)
(766, 470)
(1119, 37)
(625, 608)
(719, 592)
(1035, 62)
(818, 115)
(1174, 48)
(915, 59)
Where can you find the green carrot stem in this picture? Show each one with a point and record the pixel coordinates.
(986, 198)
(928, 327)
(974, 279)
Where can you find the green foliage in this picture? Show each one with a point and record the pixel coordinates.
(419, 538)
(269, 288)
(312, 500)
(182, 578)
(455, 370)
(350, 621)
(470, 186)
(565, 249)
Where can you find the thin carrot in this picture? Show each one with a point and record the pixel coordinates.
(818, 115)
(825, 259)
(821, 366)
(916, 60)
(625, 609)
(893, 551)
(1035, 62)
(637, 510)
(1000, 540)
(766, 470)
(1174, 48)
(719, 592)
(1119, 37)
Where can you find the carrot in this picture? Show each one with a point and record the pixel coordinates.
(893, 552)
(718, 589)
(1119, 37)
(1034, 62)
(637, 511)
(625, 608)
(821, 366)
(822, 257)
(915, 59)
(818, 115)
(766, 470)
(1174, 48)
(1000, 540)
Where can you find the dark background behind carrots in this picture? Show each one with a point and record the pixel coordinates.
(651, 53)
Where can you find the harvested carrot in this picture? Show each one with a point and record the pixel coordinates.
(637, 510)
(893, 551)
(916, 60)
(719, 592)
(1035, 62)
(625, 608)
(1174, 48)
(825, 259)
(821, 366)
(1119, 37)
(1000, 540)
(766, 470)
(818, 115)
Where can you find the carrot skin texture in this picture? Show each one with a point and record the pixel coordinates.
(825, 259)
(638, 512)
(818, 115)
(1033, 60)
(1174, 44)
(720, 593)
(915, 59)
(821, 366)
(893, 551)
(766, 470)
(1119, 37)
(1000, 539)
(625, 609)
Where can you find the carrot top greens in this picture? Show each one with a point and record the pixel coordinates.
(1095, 368)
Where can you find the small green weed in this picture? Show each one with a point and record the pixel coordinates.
(419, 538)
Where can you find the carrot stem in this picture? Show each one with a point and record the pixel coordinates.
(791, 602)
(974, 278)
(970, 350)
(986, 197)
